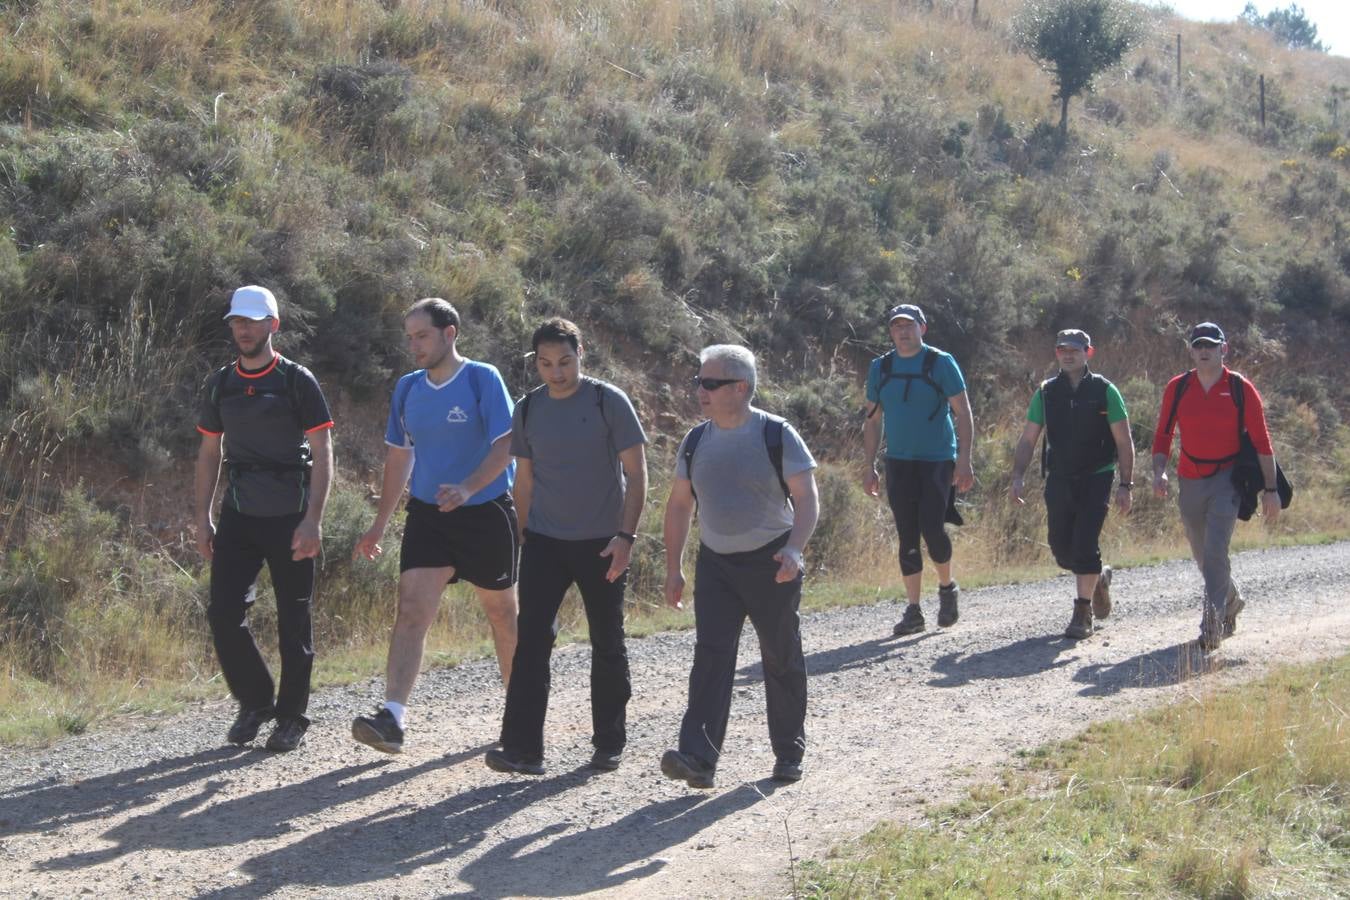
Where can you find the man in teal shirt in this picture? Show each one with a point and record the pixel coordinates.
(921, 394)
(1087, 433)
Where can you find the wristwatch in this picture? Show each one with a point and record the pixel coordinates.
(630, 538)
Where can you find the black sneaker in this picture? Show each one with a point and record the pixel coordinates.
(247, 723)
(1080, 626)
(1101, 596)
(1234, 606)
(606, 760)
(686, 767)
(379, 731)
(910, 623)
(289, 734)
(508, 761)
(787, 771)
(947, 612)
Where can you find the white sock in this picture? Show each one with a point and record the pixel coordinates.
(396, 710)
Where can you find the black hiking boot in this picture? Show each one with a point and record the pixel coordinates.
(606, 760)
(688, 768)
(510, 762)
(1080, 626)
(787, 771)
(911, 622)
(380, 731)
(947, 612)
(246, 724)
(288, 735)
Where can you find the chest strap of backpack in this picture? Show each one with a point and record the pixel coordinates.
(925, 374)
(1235, 385)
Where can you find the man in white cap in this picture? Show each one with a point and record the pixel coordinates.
(1213, 406)
(1087, 433)
(921, 394)
(268, 419)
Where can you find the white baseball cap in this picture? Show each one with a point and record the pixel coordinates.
(253, 302)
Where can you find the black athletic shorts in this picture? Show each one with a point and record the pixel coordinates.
(479, 541)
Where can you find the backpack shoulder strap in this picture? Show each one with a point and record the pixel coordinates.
(773, 442)
(524, 403)
(1176, 401)
(930, 358)
(1237, 387)
(401, 392)
(690, 445)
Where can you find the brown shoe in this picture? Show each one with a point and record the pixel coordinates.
(1080, 626)
(1101, 596)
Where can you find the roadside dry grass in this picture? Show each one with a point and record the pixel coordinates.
(1233, 793)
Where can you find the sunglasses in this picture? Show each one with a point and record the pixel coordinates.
(712, 384)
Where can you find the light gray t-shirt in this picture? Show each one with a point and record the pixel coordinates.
(573, 446)
(740, 502)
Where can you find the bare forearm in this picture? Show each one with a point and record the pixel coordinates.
(871, 440)
(675, 534)
(206, 477)
(320, 478)
(1267, 470)
(805, 515)
(492, 465)
(1022, 458)
(634, 498)
(397, 467)
(1159, 464)
(965, 434)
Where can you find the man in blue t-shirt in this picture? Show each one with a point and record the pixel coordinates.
(450, 430)
(929, 431)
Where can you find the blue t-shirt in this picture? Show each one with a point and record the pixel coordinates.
(910, 434)
(451, 427)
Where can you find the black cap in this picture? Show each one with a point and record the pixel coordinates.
(1073, 337)
(1206, 333)
(906, 311)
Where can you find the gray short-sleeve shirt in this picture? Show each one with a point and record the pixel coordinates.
(573, 446)
(740, 502)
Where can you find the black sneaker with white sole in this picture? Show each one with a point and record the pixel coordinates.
(380, 731)
(512, 763)
(947, 611)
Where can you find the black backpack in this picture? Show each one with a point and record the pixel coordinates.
(773, 442)
(925, 374)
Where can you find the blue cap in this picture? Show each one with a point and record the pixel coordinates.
(906, 311)
(1206, 333)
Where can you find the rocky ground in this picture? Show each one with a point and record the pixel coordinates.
(158, 807)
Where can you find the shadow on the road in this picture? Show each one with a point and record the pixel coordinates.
(398, 841)
(854, 656)
(38, 807)
(1163, 667)
(197, 821)
(1028, 656)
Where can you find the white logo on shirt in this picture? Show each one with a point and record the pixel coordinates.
(457, 414)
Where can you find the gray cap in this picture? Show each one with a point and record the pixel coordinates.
(906, 311)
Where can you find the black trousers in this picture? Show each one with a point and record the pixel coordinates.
(243, 543)
(548, 567)
(728, 587)
(1075, 510)
(917, 491)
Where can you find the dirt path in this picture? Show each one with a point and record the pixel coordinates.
(160, 808)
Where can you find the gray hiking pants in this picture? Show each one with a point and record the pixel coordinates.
(1209, 508)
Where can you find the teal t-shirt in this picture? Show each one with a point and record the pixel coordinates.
(910, 434)
(1115, 412)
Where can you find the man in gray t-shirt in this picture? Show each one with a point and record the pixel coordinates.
(752, 479)
(581, 483)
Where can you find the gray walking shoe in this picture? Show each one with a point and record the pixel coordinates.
(947, 612)
(1232, 607)
(1080, 626)
(911, 622)
(1101, 596)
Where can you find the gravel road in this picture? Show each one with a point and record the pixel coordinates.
(158, 807)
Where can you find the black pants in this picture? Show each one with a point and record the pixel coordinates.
(243, 543)
(728, 587)
(917, 491)
(1075, 510)
(548, 567)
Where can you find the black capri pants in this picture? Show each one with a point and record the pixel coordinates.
(917, 491)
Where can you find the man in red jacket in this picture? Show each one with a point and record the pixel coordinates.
(1205, 404)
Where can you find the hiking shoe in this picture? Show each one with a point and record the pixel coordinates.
(947, 614)
(1101, 596)
(1234, 606)
(688, 768)
(380, 731)
(246, 724)
(606, 760)
(510, 762)
(1208, 641)
(289, 734)
(910, 623)
(1080, 626)
(787, 771)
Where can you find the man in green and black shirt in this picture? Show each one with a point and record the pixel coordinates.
(268, 418)
(1087, 433)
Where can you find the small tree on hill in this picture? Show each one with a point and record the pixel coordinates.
(1289, 25)
(1075, 41)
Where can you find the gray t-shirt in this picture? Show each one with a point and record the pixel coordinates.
(740, 502)
(573, 446)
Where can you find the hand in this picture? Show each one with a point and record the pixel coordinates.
(206, 539)
(619, 552)
(1016, 492)
(790, 564)
(1124, 500)
(871, 482)
(307, 541)
(368, 544)
(674, 589)
(1160, 485)
(450, 496)
(1270, 506)
(965, 476)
